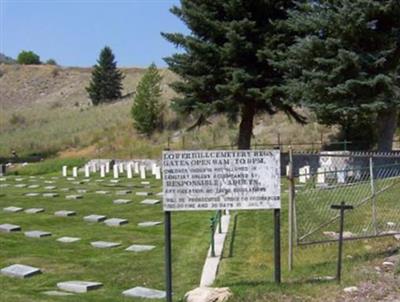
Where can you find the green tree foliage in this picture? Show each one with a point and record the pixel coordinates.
(106, 83)
(51, 62)
(146, 109)
(224, 66)
(345, 64)
(28, 58)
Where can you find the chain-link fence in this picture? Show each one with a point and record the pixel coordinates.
(370, 182)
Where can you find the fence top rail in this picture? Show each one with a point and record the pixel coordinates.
(373, 154)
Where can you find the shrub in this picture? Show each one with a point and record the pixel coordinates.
(28, 57)
(51, 62)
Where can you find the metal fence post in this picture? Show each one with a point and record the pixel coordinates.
(373, 195)
(291, 209)
(220, 221)
(212, 226)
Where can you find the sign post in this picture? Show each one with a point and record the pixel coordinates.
(342, 207)
(221, 180)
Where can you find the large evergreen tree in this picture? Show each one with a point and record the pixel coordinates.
(146, 107)
(345, 63)
(106, 83)
(224, 66)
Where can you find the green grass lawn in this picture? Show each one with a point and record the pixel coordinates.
(116, 268)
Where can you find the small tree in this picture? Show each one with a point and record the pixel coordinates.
(51, 62)
(146, 107)
(28, 58)
(106, 83)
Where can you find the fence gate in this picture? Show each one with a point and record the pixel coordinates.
(368, 181)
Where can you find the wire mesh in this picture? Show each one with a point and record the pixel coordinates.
(370, 183)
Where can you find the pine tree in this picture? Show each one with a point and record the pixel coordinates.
(146, 109)
(224, 67)
(345, 63)
(106, 83)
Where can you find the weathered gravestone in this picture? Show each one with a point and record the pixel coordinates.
(20, 271)
(78, 286)
(143, 292)
(140, 248)
(8, 228)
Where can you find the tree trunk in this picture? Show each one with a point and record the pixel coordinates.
(246, 126)
(387, 124)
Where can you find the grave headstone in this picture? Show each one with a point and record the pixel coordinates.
(34, 210)
(9, 228)
(68, 239)
(122, 201)
(12, 209)
(121, 168)
(341, 177)
(107, 167)
(115, 171)
(102, 171)
(64, 171)
(149, 223)
(129, 171)
(57, 293)
(104, 244)
(87, 171)
(21, 185)
(136, 168)
(102, 192)
(50, 195)
(150, 201)
(73, 197)
(78, 286)
(139, 248)
(142, 172)
(20, 271)
(114, 222)
(32, 194)
(143, 292)
(50, 187)
(94, 218)
(123, 192)
(302, 176)
(321, 175)
(37, 234)
(33, 186)
(158, 172)
(75, 172)
(64, 213)
(143, 193)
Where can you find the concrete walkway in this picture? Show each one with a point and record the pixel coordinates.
(210, 268)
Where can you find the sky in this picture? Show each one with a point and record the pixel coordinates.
(74, 31)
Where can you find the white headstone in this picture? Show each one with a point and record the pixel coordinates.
(143, 292)
(129, 171)
(107, 167)
(302, 176)
(102, 171)
(115, 170)
(158, 172)
(136, 168)
(64, 171)
(143, 172)
(8, 228)
(68, 239)
(87, 171)
(115, 221)
(139, 248)
(78, 286)
(321, 175)
(94, 167)
(121, 168)
(94, 218)
(104, 244)
(153, 168)
(37, 234)
(74, 172)
(19, 271)
(341, 177)
(307, 171)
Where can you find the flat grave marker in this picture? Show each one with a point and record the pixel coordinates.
(122, 201)
(37, 234)
(32, 194)
(73, 196)
(149, 223)
(104, 244)
(143, 292)
(50, 195)
(143, 193)
(12, 209)
(150, 201)
(78, 286)
(9, 228)
(137, 248)
(94, 218)
(20, 271)
(68, 239)
(64, 213)
(115, 222)
(34, 210)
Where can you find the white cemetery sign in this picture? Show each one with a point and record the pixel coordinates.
(213, 180)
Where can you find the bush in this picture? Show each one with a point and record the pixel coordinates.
(17, 120)
(28, 58)
(51, 62)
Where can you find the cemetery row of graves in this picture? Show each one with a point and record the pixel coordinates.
(98, 229)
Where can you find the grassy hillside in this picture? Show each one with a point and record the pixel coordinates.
(45, 109)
